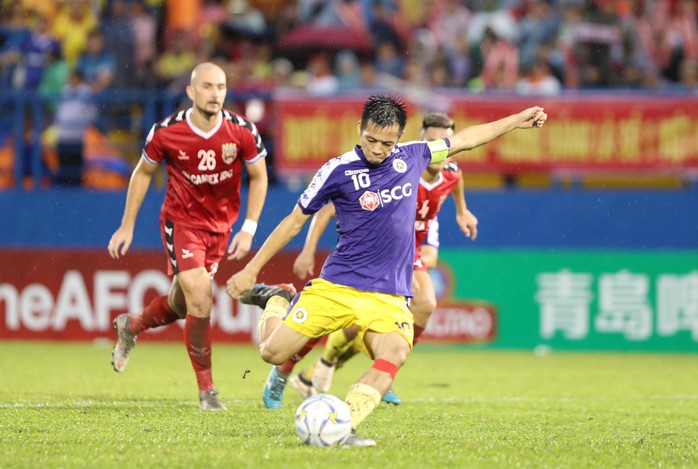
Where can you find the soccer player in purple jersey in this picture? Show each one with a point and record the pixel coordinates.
(366, 280)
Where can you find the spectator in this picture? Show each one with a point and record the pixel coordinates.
(144, 33)
(600, 51)
(643, 26)
(439, 75)
(415, 74)
(174, 65)
(450, 25)
(320, 13)
(244, 19)
(260, 65)
(184, 19)
(566, 42)
(117, 28)
(538, 80)
(32, 53)
(688, 76)
(72, 26)
(459, 62)
(281, 73)
(13, 32)
(388, 60)
(351, 14)
(54, 78)
(538, 26)
(369, 76)
(679, 40)
(76, 112)
(385, 29)
(284, 20)
(96, 65)
(501, 61)
(347, 70)
(490, 16)
(321, 81)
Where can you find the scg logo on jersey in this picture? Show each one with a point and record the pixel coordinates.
(396, 193)
(370, 201)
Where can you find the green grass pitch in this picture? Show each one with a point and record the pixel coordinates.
(61, 405)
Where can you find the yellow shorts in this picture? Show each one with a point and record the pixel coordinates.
(324, 307)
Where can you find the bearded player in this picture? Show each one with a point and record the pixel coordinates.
(203, 148)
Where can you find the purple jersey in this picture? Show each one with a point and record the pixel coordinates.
(375, 207)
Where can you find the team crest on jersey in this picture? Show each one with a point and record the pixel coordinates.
(399, 165)
(229, 152)
(300, 315)
(369, 201)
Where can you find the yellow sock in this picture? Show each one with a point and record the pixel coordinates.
(337, 344)
(276, 308)
(362, 399)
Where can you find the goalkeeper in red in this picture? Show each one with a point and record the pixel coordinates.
(366, 281)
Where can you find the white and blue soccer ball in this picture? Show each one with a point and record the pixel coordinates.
(323, 420)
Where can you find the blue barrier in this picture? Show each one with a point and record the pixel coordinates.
(516, 219)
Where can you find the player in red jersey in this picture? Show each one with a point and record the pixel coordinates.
(204, 148)
(438, 181)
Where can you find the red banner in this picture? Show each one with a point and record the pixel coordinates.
(75, 295)
(585, 132)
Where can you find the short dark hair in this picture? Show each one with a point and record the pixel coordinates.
(438, 120)
(384, 111)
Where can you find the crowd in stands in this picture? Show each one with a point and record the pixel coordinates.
(328, 46)
(70, 50)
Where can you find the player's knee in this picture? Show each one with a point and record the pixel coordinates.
(397, 354)
(423, 310)
(400, 357)
(199, 306)
(271, 354)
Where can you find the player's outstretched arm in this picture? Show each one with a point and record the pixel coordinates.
(304, 265)
(137, 188)
(280, 237)
(476, 135)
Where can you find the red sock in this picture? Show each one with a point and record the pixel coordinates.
(197, 337)
(291, 362)
(418, 330)
(157, 313)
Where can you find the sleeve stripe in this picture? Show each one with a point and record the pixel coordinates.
(259, 156)
(145, 156)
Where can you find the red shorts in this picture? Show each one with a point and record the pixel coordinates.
(188, 248)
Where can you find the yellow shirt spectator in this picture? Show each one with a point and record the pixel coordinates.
(72, 26)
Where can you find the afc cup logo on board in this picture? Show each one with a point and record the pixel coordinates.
(369, 201)
(229, 152)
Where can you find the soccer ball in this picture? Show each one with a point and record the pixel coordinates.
(323, 420)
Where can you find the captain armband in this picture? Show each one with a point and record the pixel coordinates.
(439, 149)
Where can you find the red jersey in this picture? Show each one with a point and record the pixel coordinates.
(203, 168)
(431, 196)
